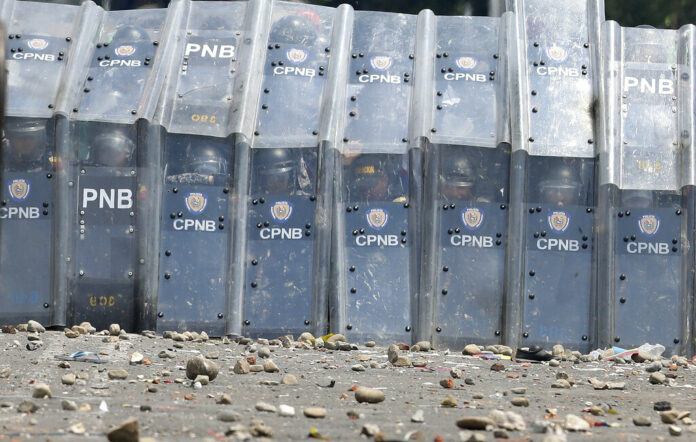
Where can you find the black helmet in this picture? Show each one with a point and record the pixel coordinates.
(112, 148)
(25, 138)
(457, 172)
(563, 182)
(294, 29)
(206, 160)
(366, 172)
(275, 169)
(130, 34)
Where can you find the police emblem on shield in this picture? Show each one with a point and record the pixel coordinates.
(472, 218)
(649, 224)
(466, 63)
(381, 62)
(377, 218)
(296, 55)
(125, 50)
(196, 202)
(38, 44)
(281, 211)
(559, 221)
(557, 54)
(19, 189)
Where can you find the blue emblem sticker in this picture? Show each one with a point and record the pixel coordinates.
(125, 50)
(472, 218)
(19, 189)
(377, 218)
(649, 224)
(466, 63)
(281, 211)
(559, 221)
(296, 55)
(196, 202)
(381, 62)
(557, 54)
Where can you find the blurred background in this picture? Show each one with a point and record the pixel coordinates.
(658, 13)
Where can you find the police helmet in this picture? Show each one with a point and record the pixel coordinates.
(206, 160)
(294, 29)
(561, 185)
(112, 148)
(457, 172)
(130, 34)
(26, 139)
(366, 173)
(275, 166)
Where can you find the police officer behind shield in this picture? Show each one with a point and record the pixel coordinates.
(369, 179)
(112, 149)
(457, 179)
(203, 164)
(561, 187)
(24, 143)
(281, 172)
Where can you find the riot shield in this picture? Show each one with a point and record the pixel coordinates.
(278, 296)
(108, 142)
(549, 274)
(374, 300)
(39, 41)
(646, 194)
(198, 162)
(3, 76)
(466, 184)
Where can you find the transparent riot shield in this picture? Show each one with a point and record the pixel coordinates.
(549, 275)
(198, 165)
(39, 40)
(646, 194)
(108, 143)
(278, 297)
(466, 184)
(3, 76)
(374, 271)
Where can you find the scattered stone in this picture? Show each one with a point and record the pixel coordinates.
(136, 358)
(575, 423)
(654, 367)
(128, 431)
(469, 381)
(167, 354)
(449, 402)
(475, 423)
(256, 368)
(641, 421)
(286, 410)
(5, 372)
(402, 361)
(561, 383)
(261, 430)
(202, 379)
(657, 378)
(597, 384)
(114, 329)
(289, 379)
(9, 329)
(241, 367)
(337, 338)
(616, 385)
(675, 430)
(68, 405)
(554, 363)
(41, 391)
(78, 428)
(446, 383)
(418, 417)
(369, 395)
(228, 416)
(369, 430)
(640, 357)
(558, 350)
(224, 399)
(201, 366)
(35, 327)
(424, 345)
(72, 334)
(370, 344)
(117, 374)
(519, 390)
(498, 366)
(315, 412)
(469, 436)
(392, 353)
(264, 352)
(266, 407)
(68, 379)
(27, 406)
(471, 349)
(456, 373)
(358, 367)
(270, 367)
(520, 402)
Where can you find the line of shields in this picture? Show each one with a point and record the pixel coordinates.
(262, 168)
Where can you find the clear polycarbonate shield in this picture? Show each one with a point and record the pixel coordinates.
(26, 214)
(205, 67)
(556, 41)
(3, 75)
(294, 76)
(39, 40)
(120, 65)
(104, 230)
(198, 168)
(278, 295)
(379, 82)
(473, 204)
(647, 194)
(373, 195)
(558, 253)
(467, 79)
(193, 250)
